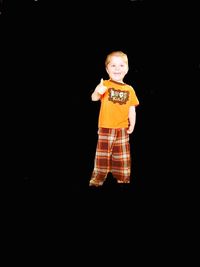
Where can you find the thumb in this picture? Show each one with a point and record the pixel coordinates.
(101, 82)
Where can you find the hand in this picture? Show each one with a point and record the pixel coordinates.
(101, 88)
(130, 129)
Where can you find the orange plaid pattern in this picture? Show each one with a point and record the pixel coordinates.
(112, 155)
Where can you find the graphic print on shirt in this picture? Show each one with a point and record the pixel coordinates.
(118, 96)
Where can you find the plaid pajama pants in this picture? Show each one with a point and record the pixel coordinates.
(112, 155)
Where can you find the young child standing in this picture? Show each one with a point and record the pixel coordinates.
(117, 118)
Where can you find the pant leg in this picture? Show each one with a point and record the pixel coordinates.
(103, 156)
(121, 159)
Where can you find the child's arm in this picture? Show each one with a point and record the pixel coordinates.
(132, 119)
(99, 90)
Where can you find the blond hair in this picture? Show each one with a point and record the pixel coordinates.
(117, 54)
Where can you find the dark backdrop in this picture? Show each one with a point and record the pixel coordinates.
(53, 59)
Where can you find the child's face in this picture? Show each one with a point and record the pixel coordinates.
(117, 68)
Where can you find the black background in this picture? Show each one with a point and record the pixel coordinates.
(53, 57)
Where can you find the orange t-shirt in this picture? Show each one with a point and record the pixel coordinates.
(115, 103)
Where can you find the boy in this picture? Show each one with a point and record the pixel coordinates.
(116, 121)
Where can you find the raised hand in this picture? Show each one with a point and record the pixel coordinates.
(101, 88)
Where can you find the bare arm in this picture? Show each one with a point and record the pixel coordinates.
(99, 90)
(132, 119)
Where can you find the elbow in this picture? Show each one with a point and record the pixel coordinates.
(92, 98)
